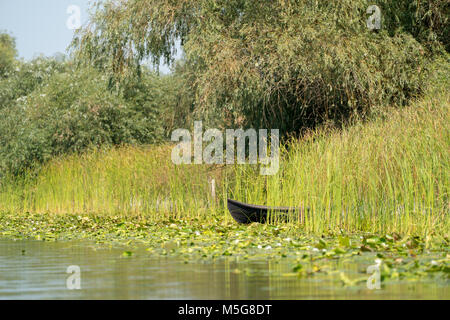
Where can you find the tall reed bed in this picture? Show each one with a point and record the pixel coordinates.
(391, 174)
(127, 180)
(386, 175)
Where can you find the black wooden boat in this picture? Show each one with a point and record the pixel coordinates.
(248, 213)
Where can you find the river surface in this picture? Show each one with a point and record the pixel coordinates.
(38, 270)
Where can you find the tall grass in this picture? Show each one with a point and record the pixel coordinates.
(127, 180)
(389, 174)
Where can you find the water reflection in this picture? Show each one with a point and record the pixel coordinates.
(37, 270)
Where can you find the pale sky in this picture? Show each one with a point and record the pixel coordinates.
(42, 26)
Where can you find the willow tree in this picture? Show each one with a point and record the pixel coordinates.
(280, 63)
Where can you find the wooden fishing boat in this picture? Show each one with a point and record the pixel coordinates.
(248, 213)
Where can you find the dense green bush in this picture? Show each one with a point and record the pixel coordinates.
(26, 76)
(426, 20)
(70, 112)
(170, 94)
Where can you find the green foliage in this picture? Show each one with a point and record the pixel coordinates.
(50, 107)
(286, 64)
(70, 112)
(426, 20)
(387, 175)
(26, 77)
(7, 54)
(283, 64)
(170, 94)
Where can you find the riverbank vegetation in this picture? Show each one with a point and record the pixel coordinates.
(390, 174)
(364, 117)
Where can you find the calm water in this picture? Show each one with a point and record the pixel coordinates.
(37, 270)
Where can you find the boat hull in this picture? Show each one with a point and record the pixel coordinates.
(247, 213)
